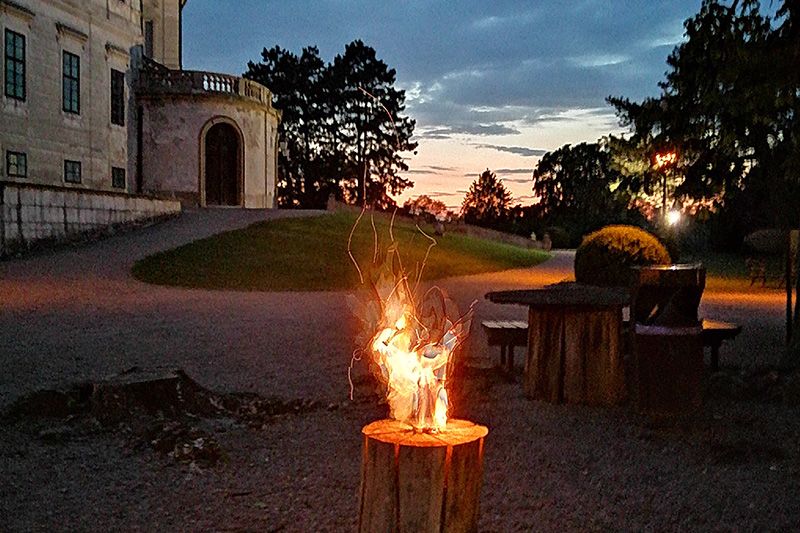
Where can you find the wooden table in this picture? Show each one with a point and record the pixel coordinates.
(574, 342)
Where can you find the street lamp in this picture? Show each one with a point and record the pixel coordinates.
(662, 161)
(673, 217)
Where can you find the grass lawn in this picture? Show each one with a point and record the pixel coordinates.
(310, 254)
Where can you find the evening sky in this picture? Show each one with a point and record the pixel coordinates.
(490, 84)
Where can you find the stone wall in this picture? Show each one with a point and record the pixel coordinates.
(173, 135)
(34, 213)
(165, 16)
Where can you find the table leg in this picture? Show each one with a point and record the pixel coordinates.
(715, 355)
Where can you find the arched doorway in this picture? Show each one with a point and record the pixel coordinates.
(222, 165)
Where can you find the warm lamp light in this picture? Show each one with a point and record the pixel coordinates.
(666, 158)
(673, 217)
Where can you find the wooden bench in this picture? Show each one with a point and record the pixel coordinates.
(756, 270)
(507, 334)
(510, 333)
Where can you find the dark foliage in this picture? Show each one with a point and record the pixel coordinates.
(606, 256)
(578, 190)
(342, 123)
(487, 203)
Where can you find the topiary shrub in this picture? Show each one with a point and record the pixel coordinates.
(606, 256)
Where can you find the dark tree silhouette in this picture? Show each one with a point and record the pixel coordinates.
(426, 207)
(370, 129)
(574, 187)
(295, 82)
(487, 202)
(341, 122)
(729, 105)
(729, 108)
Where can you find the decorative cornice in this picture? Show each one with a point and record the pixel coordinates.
(113, 49)
(69, 31)
(13, 8)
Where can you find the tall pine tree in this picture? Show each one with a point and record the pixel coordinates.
(343, 124)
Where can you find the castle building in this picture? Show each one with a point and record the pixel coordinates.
(95, 100)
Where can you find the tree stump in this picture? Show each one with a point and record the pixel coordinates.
(574, 355)
(419, 482)
(668, 369)
(574, 342)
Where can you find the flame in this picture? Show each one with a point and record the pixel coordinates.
(412, 341)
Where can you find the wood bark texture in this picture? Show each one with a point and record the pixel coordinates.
(419, 482)
(574, 355)
(668, 373)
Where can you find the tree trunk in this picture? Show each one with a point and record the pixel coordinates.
(420, 482)
(791, 358)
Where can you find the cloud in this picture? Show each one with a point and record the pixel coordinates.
(517, 180)
(430, 169)
(441, 194)
(415, 171)
(533, 54)
(517, 150)
(504, 171)
(447, 132)
(513, 170)
(524, 197)
(598, 60)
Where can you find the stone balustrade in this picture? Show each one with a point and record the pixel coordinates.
(156, 79)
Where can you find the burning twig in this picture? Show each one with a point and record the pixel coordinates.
(411, 340)
(388, 113)
(350, 245)
(424, 259)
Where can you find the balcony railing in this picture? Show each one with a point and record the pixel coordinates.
(155, 79)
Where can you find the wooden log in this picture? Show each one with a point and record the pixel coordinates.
(668, 370)
(420, 482)
(574, 355)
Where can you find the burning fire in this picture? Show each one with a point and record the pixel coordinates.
(411, 343)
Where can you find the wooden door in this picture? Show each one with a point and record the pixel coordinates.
(222, 165)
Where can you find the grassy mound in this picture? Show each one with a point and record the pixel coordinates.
(310, 254)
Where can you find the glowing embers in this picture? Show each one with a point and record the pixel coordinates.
(410, 341)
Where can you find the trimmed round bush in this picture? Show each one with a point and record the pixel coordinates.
(606, 256)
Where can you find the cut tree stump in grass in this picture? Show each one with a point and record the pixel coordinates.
(418, 482)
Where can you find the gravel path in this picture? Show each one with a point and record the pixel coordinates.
(76, 314)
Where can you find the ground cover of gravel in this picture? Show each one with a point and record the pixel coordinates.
(77, 315)
(734, 466)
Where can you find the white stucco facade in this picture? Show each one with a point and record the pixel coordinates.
(174, 129)
(35, 123)
(157, 144)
